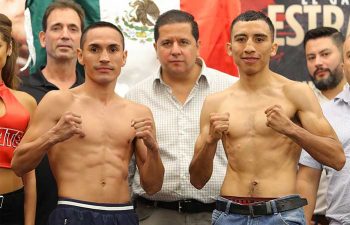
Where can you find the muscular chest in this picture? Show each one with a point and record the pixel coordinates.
(248, 118)
(107, 127)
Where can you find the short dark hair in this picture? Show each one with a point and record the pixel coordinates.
(252, 15)
(9, 77)
(100, 24)
(176, 16)
(319, 32)
(63, 4)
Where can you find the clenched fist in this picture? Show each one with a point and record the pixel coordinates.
(144, 128)
(69, 124)
(277, 119)
(219, 124)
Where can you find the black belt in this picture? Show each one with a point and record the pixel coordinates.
(263, 208)
(182, 206)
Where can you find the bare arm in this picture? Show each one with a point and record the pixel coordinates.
(28, 179)
(29, 182)
(48, 127)
(307, 185)
(147, 155)
(316, 135)
(212, 129)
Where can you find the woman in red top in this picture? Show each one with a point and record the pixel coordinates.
(17, 194)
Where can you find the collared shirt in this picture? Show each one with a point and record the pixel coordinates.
(321, 202)
(37, 86)
(177, 127)
(321, 98)
(337, 112)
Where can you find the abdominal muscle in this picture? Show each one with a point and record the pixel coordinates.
(264, 167)
(91, 173)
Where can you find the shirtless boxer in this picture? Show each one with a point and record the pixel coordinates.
(90, 134)
(263, 121)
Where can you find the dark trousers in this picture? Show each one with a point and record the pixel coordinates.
(12, 208)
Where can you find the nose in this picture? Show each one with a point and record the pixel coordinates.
(249, 47)
(318, 61)
(65, 33)
(175, 49)
(104, 57)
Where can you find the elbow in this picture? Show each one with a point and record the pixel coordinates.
(15, 165)
(154, 185)
(153, 189)
(341, 163)
(336, 159)
(339, 159)
(17, 169)
(198, 185)
(196, 181)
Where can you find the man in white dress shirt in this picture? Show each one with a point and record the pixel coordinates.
(176, 95)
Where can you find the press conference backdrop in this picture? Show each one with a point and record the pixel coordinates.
(292, 18)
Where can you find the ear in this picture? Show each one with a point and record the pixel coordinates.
(125, 55)
(155, 48)
(42, 39)
(80, 56)
(229, 48)
(274, 49)
(198, 44)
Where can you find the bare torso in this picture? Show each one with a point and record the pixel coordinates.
(9, 181)
(261, 161)
(95, 167)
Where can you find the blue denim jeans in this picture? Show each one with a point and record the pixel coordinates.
(291, 217)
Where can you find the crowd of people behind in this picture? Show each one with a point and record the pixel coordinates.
(188, 145)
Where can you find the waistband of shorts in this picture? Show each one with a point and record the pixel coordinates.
(92, 205)
(11, 196)
(13, 193)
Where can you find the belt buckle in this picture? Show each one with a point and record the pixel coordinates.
(267, 208)
(180, 206)
(1, 200)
